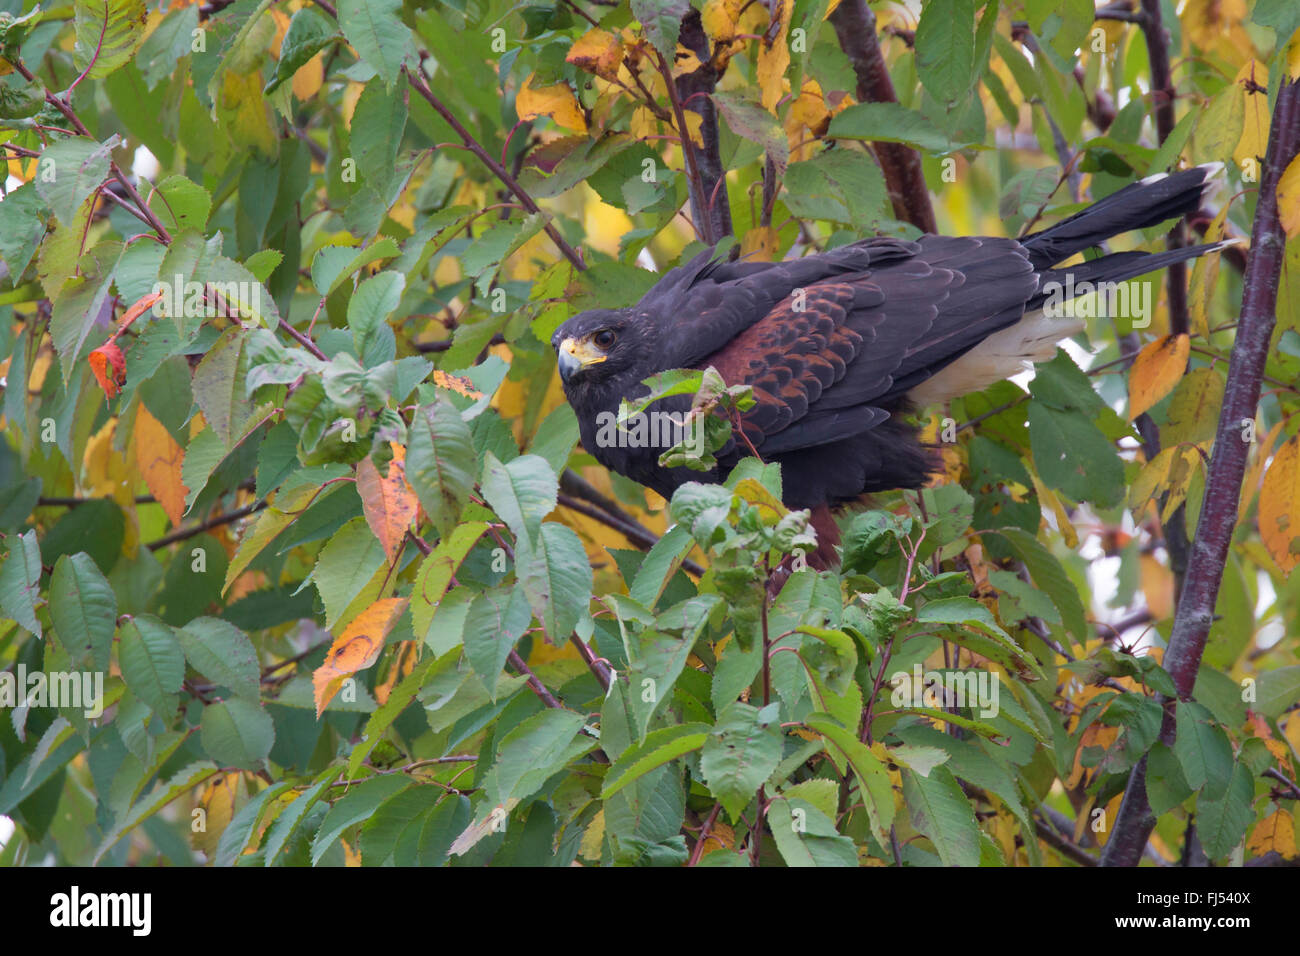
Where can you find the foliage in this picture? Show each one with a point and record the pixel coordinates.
(312, 506)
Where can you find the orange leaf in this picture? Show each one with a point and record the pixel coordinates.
(1279, 506)
(109, 365)
(389, 503)
(456, 383)
(355, 649)
(136, 310)
(1156, 371)
(159, 459)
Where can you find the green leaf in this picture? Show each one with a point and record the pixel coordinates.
(1221, 823)
(170, 41)
(152, 663)
(435, 574)
(1072, 455)
(222, 653)
(240, 829)
(940, 810)
(740, 753)
(219, 385)
(345, 566)
(375, 29)
(873, 781)
(556, 578)
(80, 304)
(309, 32)
(398, 700)
(357, 805)
(20, 578)
(440, 462)
(496, 620)
(805, 836)
(414, 828)
(181, 203)
(183, 782)
(287, 823)
(334, 265)
(661, 20)
(532, 753)
(1050, 577)
(888, 123)
(108, 32)
(746, 117)
(945, 49)
(368, 311)
(657, 749)
(83, 609)
(1276, 690)
(1203, 749)
(522, 493)
(237, 733)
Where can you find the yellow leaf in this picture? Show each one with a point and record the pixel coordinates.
(1293, 57)
(774, 59)
(1279, 506)
(760, 244)
(1254, 131)
(1205, 274)
(556, 101)
(1158, 586)
(389, 502)
(719, 18)
(355, 649)
(1063, 523)
(806, 119)
(217, 800)
(1274, 834)
(159, 458)
(1156, 370)
(597, 51)
(1288, 199)
(248, 117)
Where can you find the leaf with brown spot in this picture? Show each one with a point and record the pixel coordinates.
(597, 51)
(1156, 370)
(355, 649)
(160, 460)
(389, 502)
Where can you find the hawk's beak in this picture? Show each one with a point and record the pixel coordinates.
(575, 354)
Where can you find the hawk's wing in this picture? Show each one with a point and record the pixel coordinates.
(829, 358)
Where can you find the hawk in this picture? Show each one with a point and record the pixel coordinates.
(840, 346)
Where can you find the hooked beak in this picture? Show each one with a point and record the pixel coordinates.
(575, 355)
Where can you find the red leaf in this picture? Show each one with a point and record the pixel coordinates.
(109, 365)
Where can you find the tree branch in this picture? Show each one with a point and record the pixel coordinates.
(421, 86)
(1195, 613)
(710, 206)
(855, 27)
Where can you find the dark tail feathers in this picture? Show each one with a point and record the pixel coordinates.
(1138, 205)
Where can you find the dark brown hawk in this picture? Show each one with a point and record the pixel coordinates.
(840, 346)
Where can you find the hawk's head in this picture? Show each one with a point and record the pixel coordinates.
(595, 347)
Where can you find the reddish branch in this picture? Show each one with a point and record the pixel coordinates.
(1209, 550)
(855, 27)
(710, 207)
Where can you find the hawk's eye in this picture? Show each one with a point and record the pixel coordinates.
(605, 339)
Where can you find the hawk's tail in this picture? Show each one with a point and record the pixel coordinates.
(1138, 205)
